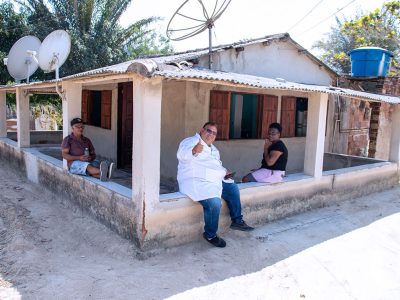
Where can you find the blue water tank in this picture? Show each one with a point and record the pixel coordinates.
(369, 61)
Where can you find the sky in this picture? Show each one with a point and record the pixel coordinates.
(307, 21)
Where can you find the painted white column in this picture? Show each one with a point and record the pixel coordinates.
(315, 139)
(71, 107)
(3, 115)
(147, 95)
(394, 152)
(23, 116)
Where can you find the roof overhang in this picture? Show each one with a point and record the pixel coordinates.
(148, 68)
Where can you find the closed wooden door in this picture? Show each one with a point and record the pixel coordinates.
(125, 125)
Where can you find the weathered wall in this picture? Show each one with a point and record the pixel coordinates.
(179, 220)
(176, 219)
(107, 202)
(242, 156)
(185, 108)
(172, 125)
(348, 126)
(278, 59)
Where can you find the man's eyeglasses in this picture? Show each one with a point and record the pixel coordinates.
(209, 131)
(80, 126)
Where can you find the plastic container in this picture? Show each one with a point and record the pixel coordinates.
(369, 61)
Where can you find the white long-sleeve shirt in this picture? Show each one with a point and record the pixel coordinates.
(199, 176)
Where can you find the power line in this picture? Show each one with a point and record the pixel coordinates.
(339, 10)
(307, 14)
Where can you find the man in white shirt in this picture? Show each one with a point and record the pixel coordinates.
(202, 177)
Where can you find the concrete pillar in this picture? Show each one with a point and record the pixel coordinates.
(315, 139)
(147, 95)
(23, 130)
(3, 115)
(71, 107)
(394, 152)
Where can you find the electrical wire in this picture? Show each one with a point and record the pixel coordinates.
(307, 14)
(339, 10)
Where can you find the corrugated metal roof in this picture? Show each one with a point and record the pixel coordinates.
(268, 83)
(114, 69)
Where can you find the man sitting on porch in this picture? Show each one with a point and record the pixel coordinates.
(80, 154)
(202, 177)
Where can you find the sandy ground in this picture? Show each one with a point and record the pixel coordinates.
(49, 249)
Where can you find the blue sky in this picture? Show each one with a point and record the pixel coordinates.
(245, 19)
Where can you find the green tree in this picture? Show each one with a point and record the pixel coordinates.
(379, 28)
(97, 37)
(12, 27)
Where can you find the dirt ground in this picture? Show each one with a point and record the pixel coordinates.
(49, 249)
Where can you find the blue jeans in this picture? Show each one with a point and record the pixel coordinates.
(212, 208)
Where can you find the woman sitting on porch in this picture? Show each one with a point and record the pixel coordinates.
(275, 156)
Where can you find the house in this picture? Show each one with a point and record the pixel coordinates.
(138, 111)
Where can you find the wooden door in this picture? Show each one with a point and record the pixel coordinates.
(220, 103)
(125, 125)
(267, 114)
(288, 116)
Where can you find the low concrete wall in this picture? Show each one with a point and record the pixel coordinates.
(333, 161)
(41, 137)
(108, 202)
(176, 219)
(179, 220)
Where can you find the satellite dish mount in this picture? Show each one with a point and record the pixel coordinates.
(193, 17)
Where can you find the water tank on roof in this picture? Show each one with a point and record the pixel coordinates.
(369, 61)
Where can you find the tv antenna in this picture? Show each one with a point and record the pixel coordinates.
(54, 51)
(193, 17)
(20, 63)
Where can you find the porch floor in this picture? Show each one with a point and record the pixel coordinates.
(120, 176)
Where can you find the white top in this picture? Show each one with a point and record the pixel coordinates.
(200, 176)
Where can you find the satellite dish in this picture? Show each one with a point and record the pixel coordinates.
(195, 16)
(20, 64)
(54, 51)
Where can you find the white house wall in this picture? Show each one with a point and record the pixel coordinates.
(185, 108)
(277, 60)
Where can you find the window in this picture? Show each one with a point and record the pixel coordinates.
(242, 116)
(248, 116)
(96, 108)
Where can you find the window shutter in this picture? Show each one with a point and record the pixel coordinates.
(288, 116)
(220, 103)
(106, 109)
(85, 106)
(267, 114)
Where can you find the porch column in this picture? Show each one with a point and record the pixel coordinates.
(3, 115)
(23, 116)
(394, 152)
(146, 144)
(315, 139)
(71, 107)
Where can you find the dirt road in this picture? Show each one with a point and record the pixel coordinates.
(49, 249)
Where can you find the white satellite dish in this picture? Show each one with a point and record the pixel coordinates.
(195, 16)
(20, 64)
(54, 51)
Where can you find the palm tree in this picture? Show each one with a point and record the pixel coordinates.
(97, 37)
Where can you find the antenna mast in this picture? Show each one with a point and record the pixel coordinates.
(200, 18)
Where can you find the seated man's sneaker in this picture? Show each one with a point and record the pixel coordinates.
(103, 171)
(215, 241)
(241, 226)
(111, 169)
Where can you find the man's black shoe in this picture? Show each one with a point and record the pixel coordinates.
(216, 241)
(241, 226)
